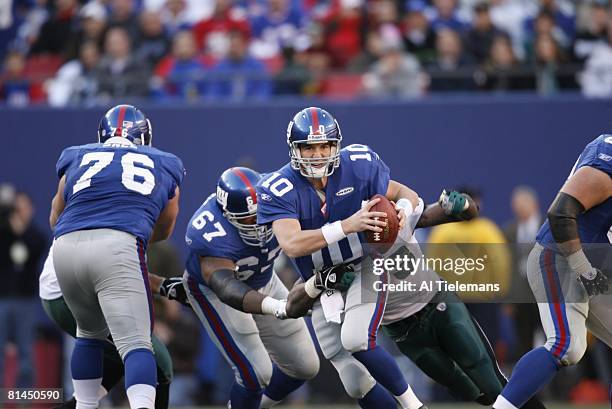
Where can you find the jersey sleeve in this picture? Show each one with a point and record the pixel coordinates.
(65, 160)
(598, 155)
(213, 246)
(174, 166)
(274, 203)
(379, 176)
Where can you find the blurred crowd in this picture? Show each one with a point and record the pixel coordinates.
(87, 52)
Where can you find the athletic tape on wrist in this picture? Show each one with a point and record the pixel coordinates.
(333, 232)
(406, 205)
(579, 263)
(311, 290)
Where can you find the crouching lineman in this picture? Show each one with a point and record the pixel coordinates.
(235, 293)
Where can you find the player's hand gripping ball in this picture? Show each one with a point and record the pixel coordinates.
(381, 242)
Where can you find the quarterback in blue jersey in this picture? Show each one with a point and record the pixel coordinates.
(314, 205)
(113, 198)
(232, 287)
(567, 273)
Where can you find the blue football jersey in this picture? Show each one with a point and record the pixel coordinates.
(209, 234)
(594, 224)
(286, 194)
(118, 186)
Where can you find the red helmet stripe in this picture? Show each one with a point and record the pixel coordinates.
(247, 182)
(315, 120)
(120, 120)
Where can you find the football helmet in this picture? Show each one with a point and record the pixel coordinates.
(309, 126)
(237, 197)
(125, 121)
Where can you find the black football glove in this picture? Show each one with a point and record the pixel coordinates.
(595, 283)
(337, 277)
(172, 288)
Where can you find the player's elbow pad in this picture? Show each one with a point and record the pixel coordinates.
(563, 215)
(228, 289)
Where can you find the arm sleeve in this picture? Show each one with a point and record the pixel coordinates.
(175, 167)
(379, 176)
(598, 155)
(64, 161)
(272, 207)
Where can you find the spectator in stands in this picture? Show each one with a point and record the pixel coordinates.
(341, 32)
(487, 239)
(123, 14)
(12, 19)
(596, 79)
(521, 234)
(212, 34)
(382, 12)
(189, 11)
(294, 75)
(563, 21)
(154, 42)
(239, 76)
(15, 87)
(34, 19)
(479, 38)
(75, 82)
(183, 73)
(56, 32)
(419, 38)
(596, 31)
(509, 16)
(120, 74)
(550, 75)
(445, 16)
(175, 16)
(278, 26)
(373, 51)
(544, 26)
(92, 27)
(22, 249)
(397, 74)
(502, 71)
(452, 70)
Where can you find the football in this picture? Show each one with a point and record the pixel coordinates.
(382, 241)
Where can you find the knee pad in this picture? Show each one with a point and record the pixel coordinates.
(355, 378)
(353, 341)
(574, 353)
(304, 367)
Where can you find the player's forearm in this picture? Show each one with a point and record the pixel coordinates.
(397, 191)
(434, 215)
(303, 243)
(162, 231)
(299, 302)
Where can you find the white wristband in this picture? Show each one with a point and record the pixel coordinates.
(333, 232)
(269, 305)
(311, 290)
(405, 204)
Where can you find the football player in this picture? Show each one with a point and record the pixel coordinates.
(236, 294)
(567, 274)
(433, 328)
(55, 306)
(113, 198)
(314, 205)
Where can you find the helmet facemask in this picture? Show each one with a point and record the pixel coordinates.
(315, 167)
(251, 234)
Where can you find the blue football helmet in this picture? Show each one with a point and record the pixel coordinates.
(237, 197)
(314, 125)
(125, 121)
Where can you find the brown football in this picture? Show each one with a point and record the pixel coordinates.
(383, 241)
